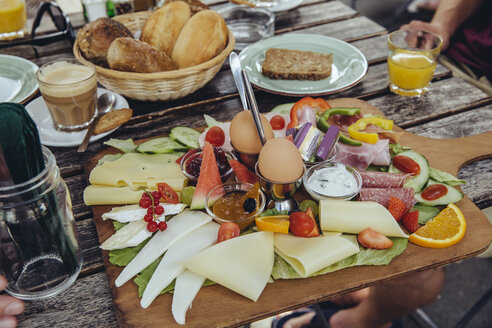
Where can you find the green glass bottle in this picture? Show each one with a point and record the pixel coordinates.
(110, 8)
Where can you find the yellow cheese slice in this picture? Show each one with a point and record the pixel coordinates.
(137, 171)
(353, 217)
(111, 195)
(309, 255)
(243, 264)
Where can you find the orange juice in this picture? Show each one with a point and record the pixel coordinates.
(12, 16)
(411, 70)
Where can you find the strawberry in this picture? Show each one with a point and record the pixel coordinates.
(411, 221)
(373, 239)
(396, 207)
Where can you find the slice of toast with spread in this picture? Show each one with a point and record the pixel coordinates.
(286, 64)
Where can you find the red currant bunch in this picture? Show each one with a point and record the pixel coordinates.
(150, 201)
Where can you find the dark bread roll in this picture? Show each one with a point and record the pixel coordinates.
(130, 55)
(95, 38)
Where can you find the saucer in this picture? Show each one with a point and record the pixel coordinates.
(51, 137)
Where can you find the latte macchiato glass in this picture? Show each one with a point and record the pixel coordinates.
(69, 90)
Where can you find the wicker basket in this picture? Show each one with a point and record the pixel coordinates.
(168, 85)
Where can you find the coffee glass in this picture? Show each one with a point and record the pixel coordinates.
(12, 18)
(69, 90)
(412, 58)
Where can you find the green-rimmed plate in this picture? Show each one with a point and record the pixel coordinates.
(349, 64)
(17, 79)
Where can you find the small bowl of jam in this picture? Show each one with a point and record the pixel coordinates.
(192, 160)
(238, 202)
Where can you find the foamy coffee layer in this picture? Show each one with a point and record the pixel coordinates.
(64, 79)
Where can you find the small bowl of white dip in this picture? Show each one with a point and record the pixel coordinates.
(332, 180)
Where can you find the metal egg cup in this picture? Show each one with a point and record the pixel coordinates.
(280, 195)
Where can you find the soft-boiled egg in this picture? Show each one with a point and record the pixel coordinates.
(280, 161)
(244, 136)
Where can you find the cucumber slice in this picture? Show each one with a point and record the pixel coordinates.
(416, 182)
(452, 196)
(283, 109)
(425, 212)
(187, 136)
(163, 145)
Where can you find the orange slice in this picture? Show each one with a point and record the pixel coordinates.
(276, 223)
(445, 230)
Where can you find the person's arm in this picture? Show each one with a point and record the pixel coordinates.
(449, 16)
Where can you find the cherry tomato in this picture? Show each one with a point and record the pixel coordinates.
(228, 230)
(406, 164)
(168, 194)
(434, 191)
(277, 122)
(216, 136)
(301, 224)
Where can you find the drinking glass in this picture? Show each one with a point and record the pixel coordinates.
(12, 18)
(39, 250)
(412, 58)
(69, 90)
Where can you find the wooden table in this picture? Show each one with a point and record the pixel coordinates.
(452, 108)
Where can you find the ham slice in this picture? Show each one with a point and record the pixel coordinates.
(382, 196)
(361, 156)
(374, 179)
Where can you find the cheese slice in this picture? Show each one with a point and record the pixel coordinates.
(186, 287)
(111, 195)
(178, 227)
(134, 212)
(243, 264)
(137, 171)
(171, 264)
(309, 255)
(353, 217)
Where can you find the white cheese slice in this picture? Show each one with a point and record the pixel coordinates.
(186, 287)
(243, 264)
(178, 227)
(137, 170)
(309, 255)
(353, 217)
(171, 264)
(135, 212)
(130, 235)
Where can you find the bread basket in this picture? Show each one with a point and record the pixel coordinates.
(163, 86)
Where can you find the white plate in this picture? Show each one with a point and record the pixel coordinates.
(17, 79)
(51, 137)
(348, 68)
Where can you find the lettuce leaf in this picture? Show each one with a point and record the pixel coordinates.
(126, 146)
(210, 121)
(108, 158)
(282, 270)
(121, 257)
(444, 177)
(426, 212)
(118, 225)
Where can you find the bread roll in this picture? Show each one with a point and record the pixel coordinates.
(127, 54)
(202, 38)
(195, 5)
(95, 38)
(164, 25)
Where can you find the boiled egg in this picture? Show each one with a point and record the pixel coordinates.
(280, 161)
(244, 136)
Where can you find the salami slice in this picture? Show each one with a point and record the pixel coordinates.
(382, 195)
(374, 179)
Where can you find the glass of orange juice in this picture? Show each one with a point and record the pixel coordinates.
(412, 60)
(12, 18)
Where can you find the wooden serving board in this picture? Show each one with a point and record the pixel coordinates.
(216, 306)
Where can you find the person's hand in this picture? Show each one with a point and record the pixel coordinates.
(432, 27)
(9, 308)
